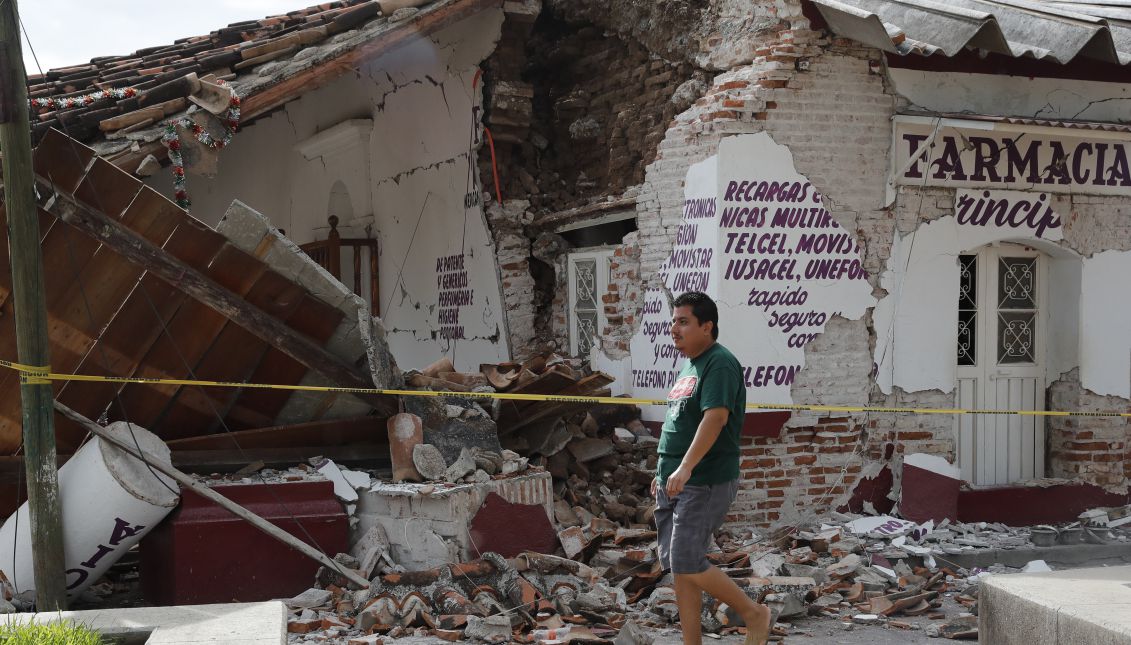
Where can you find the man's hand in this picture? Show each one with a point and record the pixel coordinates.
(677, 480)
(655, 482)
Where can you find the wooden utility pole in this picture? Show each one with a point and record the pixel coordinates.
(31, 318)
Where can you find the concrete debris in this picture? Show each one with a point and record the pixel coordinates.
(428, 461)
(461, 467)
(343, 488)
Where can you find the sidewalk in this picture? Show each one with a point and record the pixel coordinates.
(1077, 607)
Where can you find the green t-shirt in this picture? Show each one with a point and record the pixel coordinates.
(712, 379)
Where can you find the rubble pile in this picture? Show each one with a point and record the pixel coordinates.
(603, 470)
(492, 599)
(546, 374)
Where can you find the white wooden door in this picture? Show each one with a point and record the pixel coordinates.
(588, 282)
(1002, 325)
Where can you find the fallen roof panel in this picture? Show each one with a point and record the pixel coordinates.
(110, 314)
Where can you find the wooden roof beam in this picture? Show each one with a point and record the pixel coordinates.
(188, 280)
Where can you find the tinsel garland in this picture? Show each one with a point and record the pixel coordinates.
(172, 141)
(84, 100)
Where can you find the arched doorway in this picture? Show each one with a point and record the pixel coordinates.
(1003, 326)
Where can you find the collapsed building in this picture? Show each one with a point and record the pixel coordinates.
(913, 206)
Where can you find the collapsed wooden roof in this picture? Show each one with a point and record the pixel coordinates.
(136, 287)
(267, 62)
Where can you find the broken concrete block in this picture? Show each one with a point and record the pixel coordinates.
(370, 639)
(585, 450)
(632, 634)
(489, 462)
(847, 565)
(513, 462)
(428, 461)
(803, 588)
(343, 489)
(309, 599)
(662, 603)
(370, 549)
(564, 515)
(452, 435)
(493, 629)
(805, 571)
(786, 605)
(357, 479)
(552, 442)
(767, 564)
(463, 466)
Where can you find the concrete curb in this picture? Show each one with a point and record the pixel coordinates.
(1077, 607)
(260, 623)
(1063, 556)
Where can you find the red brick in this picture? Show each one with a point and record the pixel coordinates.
(1094, 445)
(733, 85)
(805, 460)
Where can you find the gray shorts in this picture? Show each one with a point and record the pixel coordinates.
(688, 521)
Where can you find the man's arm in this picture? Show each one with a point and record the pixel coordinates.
(714, 420)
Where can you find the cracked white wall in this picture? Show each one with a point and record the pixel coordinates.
(405, 183)
(916, 322)
(756, 236)
(1086, 312)
(1048, 98)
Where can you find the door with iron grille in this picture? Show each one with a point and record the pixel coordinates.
(1002, 326)
(588, 284)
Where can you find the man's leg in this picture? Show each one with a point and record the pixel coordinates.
(689, 599)
(719, 585)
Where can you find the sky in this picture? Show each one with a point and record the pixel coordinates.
(71, 32)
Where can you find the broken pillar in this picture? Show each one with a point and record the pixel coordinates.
(427, 525)
(109, 501)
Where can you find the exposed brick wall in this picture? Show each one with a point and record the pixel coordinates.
(624, 291)
(601, 105)
(512, 252)
(1092, 449)
(798, 476)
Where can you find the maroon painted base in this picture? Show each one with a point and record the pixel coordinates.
(1030, 505)
(510, 529)
(874, 490)
(203, 554)
(926, 495)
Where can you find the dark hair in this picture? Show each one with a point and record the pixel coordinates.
(702, 307)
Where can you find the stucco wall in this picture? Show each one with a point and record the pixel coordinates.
(403, 171)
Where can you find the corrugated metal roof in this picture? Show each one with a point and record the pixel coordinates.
(1014, 120)
(1058, 31)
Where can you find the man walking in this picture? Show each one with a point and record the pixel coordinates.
(697, 478)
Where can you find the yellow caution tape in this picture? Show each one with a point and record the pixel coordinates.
(30, 374)
(42, 374)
